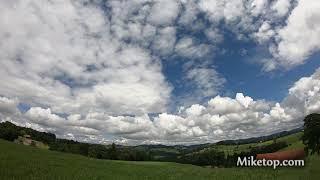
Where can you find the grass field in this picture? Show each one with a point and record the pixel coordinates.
(25, 162)
(292, 140)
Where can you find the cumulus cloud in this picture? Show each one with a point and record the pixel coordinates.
(293, 47)
(265, 33)
(258, 6)
(164, 12)
(68, 60)
(274, 23)
(277, 24)
(189, 12)
(221, 118)
(281, 7)
(223, 10)
(195, 110)
(244, 100)
(304, 95)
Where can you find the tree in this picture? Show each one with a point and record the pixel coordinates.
(113, 152)
(98, 151)
(311, 136)
(9, 131)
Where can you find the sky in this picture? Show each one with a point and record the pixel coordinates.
(159, 71)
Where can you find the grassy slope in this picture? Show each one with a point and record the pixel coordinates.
(23, 162)
(292, 140)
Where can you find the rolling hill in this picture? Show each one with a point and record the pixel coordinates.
(25, 162)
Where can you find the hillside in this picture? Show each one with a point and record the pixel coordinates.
(24, 162)
(221, 154)
(292, 140)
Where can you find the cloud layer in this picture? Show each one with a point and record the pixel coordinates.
(93, 70)
(220, 118)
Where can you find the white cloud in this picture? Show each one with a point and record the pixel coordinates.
(171, 124)
(186, 47)
(278, 113)
(44, 117)
(281, 7)
(304, 94)
(164, 12)
(164, 41)
(265, 33)
(214, 35)
(218, 132)
(278, 24)
(189, 14)
(224, 105)
(258, 6)
(294, 47)
(195, 110)
(222, 10)
(262, 18)
(222, 118)
(8, 106)
(208, 82)
(67, 59)
(244, 100)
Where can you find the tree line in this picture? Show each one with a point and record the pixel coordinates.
(10, 132)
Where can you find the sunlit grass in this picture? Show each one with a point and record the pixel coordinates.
(24, 162)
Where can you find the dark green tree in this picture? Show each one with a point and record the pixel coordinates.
(9, 131)
(311, 136)
(98, 151)
(113, 152)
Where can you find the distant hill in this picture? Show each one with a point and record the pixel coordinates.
(29, 163)
(199, 154)
(260, 139)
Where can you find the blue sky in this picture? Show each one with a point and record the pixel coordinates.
(159, 71)
(242, 71)
(248, 78)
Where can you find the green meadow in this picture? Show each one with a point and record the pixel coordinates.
(29, 163)
(292, 140)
